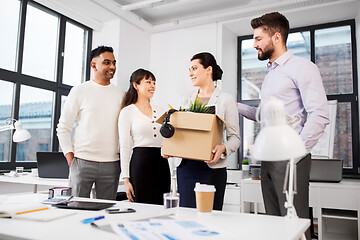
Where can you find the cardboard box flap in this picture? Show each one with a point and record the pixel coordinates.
(191, 120)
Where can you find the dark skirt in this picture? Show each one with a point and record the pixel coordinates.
(192, 171)
(149, 175)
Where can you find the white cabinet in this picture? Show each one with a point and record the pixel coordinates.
(232, 199)
(337, 206)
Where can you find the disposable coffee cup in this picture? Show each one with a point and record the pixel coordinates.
(204, 197)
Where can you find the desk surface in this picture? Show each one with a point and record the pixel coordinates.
(29, 179)
(234, 225)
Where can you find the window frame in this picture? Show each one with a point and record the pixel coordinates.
(57, 87)
(351, 98)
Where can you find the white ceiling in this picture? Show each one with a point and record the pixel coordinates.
(163, 15)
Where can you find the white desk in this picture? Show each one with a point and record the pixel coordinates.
(35, 181)
(28, 179)
(322, 197)
(234, 225)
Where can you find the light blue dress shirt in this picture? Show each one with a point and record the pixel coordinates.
(296, 81)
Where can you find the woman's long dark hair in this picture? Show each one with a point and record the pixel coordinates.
(131, 95)
(207, 59)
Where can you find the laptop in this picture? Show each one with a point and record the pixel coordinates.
(326, 170)
(52, 165)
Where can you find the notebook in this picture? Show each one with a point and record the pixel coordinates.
(326, 170)
(52, 165)
(32, 211)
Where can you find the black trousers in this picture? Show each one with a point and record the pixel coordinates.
(149, 175)
(192, 171)
(272, 182)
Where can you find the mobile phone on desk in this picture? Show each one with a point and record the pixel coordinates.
(120, 210)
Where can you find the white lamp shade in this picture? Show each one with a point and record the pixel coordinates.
(20, 133)
(278, 143)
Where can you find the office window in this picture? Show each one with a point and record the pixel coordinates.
(331, 48)
(74, 55)
(40, 46)
(333, 57)
(34, 89)
(36, 111)
(9, 21)
(2, 151)
(20, 155)
(43, 147)
(6, 98)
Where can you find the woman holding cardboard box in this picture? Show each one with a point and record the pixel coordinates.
(145, 173)
(203, 72)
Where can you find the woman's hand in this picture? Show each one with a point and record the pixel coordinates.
(218, 150)
(129, 190)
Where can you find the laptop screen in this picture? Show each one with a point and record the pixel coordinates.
(52, 165)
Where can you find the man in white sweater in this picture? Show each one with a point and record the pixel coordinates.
(93, 152)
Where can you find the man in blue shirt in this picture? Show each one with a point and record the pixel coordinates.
(297, 83)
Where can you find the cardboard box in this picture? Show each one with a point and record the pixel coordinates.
(196, 135)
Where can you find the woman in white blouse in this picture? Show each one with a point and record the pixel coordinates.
(145, 173)
(203, 72)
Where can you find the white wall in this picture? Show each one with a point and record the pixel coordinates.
(108, 36)
(228, 58)
(131, 48)
(170, 57)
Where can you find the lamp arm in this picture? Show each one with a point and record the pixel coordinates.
(291, 212)
(5, 128)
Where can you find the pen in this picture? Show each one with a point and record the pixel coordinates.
(34, 210)
(90, 220)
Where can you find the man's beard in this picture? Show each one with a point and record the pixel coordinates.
(265, 54)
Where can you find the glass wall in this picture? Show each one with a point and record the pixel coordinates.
(9, 22)
(44, 54)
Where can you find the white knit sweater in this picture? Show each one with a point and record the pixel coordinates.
(96, 110)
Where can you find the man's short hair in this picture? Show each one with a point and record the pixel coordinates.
(272, 23)
(99, 50)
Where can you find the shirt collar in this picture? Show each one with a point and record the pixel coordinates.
(280, 60)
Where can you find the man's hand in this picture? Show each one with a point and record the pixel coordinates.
(218, 150)
(129, 189)
(69, 157)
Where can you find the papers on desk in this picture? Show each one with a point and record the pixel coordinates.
(33, 211)
(165, 229)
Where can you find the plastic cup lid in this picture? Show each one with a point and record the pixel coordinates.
(204, 188)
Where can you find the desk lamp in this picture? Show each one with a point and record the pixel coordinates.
(277, 141)
(20, 133)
